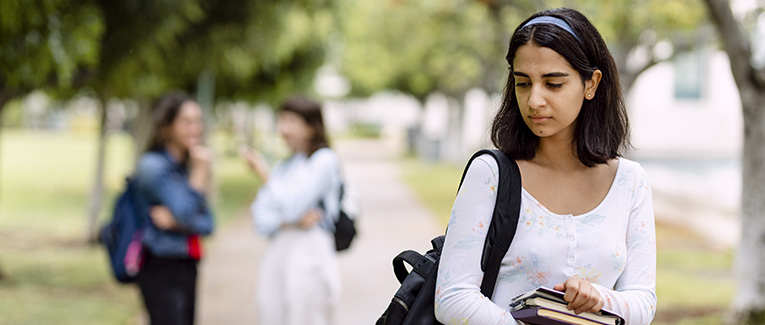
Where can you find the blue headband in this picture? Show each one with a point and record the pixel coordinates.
(555, 21)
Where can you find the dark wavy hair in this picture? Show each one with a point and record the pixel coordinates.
(310, 112)
(166, 110)
(602, 129)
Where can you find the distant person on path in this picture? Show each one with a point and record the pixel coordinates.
(586, 225)
(173, 179)
(295, 208)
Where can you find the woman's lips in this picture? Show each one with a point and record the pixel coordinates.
(539, 119)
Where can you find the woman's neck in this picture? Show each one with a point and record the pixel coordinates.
(558, 154)
(301, 148)
(176, 151)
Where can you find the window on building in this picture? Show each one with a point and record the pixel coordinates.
(689, 74)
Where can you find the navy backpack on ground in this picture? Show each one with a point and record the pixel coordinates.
(413, 303)
(123, 236)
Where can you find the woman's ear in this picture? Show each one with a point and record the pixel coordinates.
(591, 85)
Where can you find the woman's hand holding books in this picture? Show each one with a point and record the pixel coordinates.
(580, 295)
(544, 306)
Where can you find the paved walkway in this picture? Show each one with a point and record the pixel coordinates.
(392, 220)
(721, 229)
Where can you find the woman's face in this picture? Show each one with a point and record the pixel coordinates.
(295, 131)
(187, 129)
(550, 92)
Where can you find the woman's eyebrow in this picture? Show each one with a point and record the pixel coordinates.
(555, 74)
(546, 75)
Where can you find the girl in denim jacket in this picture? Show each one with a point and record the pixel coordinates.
(173, 178)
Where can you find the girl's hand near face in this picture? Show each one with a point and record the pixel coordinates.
(256, 161)
(201, 158)
(580, 295)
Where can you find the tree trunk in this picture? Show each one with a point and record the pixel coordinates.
(249, 127)
(206, 99)
(206, 96)
(5, 97)
(627, 77)
(749, 302)
(97, 194)
(141, 130)
(2, 104)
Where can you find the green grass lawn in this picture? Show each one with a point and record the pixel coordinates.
(694, 283)
(52, 275)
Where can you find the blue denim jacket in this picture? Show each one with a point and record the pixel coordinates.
(163, 181)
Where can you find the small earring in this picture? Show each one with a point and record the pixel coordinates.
(589, 95)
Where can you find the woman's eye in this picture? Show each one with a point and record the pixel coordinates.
(522, 84)
(552, 85)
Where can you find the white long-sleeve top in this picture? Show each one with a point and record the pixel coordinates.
(295, 186)
(613, 246)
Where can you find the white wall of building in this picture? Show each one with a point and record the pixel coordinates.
(666, 126)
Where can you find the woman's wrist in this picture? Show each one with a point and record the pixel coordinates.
(263, 174)
(199, 177)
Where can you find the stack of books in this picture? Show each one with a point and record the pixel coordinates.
(545, 306)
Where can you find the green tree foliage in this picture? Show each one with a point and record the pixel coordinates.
(140, 49)
(46, 44)
(140, 38)
(254, 48)
(272, 52)
(421, 46)
(635, 30)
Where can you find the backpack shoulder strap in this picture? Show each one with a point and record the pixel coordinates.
(504, 220)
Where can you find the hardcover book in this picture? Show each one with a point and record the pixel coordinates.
(545, 306)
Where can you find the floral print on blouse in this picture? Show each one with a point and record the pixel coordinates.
(613, 246)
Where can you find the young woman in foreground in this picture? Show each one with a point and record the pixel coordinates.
(586, 224)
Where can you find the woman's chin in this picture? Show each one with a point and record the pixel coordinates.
(193, 143)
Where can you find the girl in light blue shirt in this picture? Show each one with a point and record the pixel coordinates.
(299, 280)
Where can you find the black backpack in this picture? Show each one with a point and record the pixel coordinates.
(345, 228)
(413, 303)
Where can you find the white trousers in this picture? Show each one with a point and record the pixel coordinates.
(299, 279)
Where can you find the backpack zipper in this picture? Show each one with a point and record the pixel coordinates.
(402, 303)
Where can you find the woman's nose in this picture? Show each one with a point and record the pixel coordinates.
(536, 98)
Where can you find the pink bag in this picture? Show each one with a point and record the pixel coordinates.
(134, 256)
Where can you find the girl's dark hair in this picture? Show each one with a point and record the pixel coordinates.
(602, 130)
(166, 110)
(310, 111)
